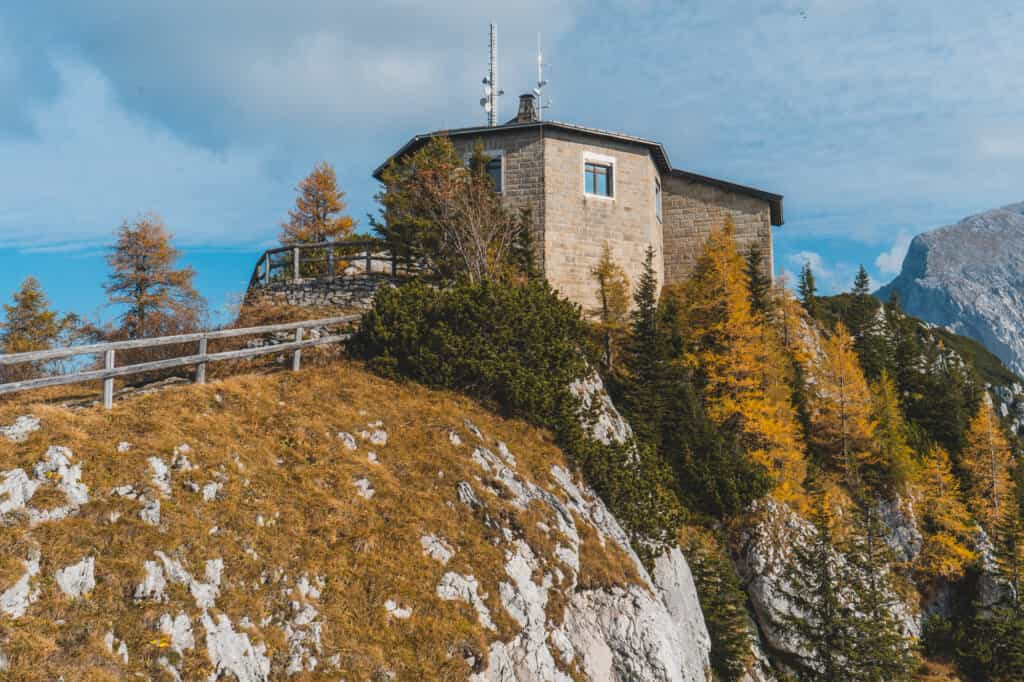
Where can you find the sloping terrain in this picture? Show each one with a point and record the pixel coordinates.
(323, 524)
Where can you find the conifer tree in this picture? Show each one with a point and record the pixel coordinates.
(646, 357)
(157, 297)
(890, 463)
(841, 425)
(317, 215)
(986, 459)
(946, 524)
(759, 284)
(30, 325)
(612, 300)
(870, 337)
(740, 367)
(808, 290)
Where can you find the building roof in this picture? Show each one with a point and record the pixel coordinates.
(657, 151)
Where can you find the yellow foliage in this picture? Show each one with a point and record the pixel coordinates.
(315, 217)
(946, 524)
(742, 364)
(986, 459)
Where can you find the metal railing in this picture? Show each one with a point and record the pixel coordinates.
(325, 259)
(200, 359)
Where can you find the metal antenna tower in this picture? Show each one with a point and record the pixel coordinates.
(539, 90)
(491, 90)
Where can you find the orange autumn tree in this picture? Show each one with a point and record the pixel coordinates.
(317, 215)
(946, 524)
(841, 429)
(740, 365)
(156, 297)
(986, 459)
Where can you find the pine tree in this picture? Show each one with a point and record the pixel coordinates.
(613, 300)
(870, 337)
(646, 357)
(890, 463)
(317, 215)
(986, 459)
(878, 649)
(808, 290)
(758, 283)
(30, 325)
(157, 298)
(841, 425)
(946, 524)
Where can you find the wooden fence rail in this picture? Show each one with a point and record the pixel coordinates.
(200, 359)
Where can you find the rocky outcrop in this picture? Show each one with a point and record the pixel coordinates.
(969, 277)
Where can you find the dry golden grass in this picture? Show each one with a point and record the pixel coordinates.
(272, 441)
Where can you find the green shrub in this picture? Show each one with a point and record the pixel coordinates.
(518, 348)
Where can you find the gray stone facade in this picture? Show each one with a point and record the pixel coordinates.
(354, 292)
(543, 170)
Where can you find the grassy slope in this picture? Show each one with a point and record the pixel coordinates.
(272, 439)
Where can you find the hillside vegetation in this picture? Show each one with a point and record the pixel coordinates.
(275, 523)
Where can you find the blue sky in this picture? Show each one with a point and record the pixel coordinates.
(877, 120)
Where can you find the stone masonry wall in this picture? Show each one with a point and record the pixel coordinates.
(578, 225)
(692, 210)
(340, 292)
(524, 174)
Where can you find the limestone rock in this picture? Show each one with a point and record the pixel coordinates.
(21, 429)
(78, 579)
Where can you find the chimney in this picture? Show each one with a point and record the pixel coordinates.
(527, 109)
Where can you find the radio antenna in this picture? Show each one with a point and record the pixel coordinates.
(539, 90)
(491, 90)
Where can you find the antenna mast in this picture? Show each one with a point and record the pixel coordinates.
(539, 90)
(491, 91)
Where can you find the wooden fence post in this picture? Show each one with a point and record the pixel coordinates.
(201, 367)
(108, 384)
(295, 264)
(297, 355)
(369, 260)
(266, 269)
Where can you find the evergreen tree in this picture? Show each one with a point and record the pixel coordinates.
(646, 358)
(946, 525)
(612, 301)
(758, 283)
(157, 297)
(808, 290)
(870, 336)
(30, 325)
(986, 459)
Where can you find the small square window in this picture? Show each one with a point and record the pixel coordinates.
(597, 179)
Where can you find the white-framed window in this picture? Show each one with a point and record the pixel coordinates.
(657, 199)
(495, 167)
(599, 175)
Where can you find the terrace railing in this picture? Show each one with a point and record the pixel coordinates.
(297, 262)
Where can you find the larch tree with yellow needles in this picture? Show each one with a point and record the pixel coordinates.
(841, 425)
(739, 364)
(612, 309)
(946, 524)
(986, 458)
(318, 213)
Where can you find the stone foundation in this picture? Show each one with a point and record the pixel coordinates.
(337, 292)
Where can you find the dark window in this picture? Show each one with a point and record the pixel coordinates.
(494, 170)
(597, 178)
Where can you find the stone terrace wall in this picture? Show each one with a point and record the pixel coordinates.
(692, 210)
(340, 292)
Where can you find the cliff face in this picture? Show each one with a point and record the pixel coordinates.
(328, 525)
(969, 277)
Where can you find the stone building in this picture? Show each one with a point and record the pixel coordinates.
(587, 187)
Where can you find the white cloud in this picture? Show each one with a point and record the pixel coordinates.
(890, 262)
(817, 263)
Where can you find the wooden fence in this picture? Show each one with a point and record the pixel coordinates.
(200, 359)
(323, 259)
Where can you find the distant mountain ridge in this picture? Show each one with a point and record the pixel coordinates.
(969, 278)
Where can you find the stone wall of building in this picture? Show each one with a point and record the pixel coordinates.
(340, 292)
(691, 210)
(578, 225)
(523, 166)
